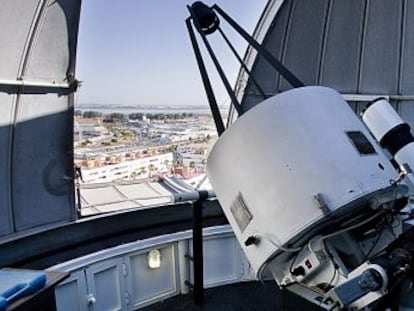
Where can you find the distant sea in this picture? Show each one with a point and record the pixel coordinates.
(147, 110)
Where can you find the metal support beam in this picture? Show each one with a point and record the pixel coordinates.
(371, 97)
(284, 72)
(242, 64)
(206, 81)
(198, 286)
(37, 87)
(220, 71)
(4, 82)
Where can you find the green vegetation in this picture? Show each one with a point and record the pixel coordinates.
(136, 116)
(116, 116)
(161, 116)
(91, 114)
(86, 142)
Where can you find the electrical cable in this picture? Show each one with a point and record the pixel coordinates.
(366, 256)
(285, 249)
(353, 226)
(330, 283)
(293, 262)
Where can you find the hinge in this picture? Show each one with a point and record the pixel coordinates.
(90, 299)
(126, 298)
(124, 270)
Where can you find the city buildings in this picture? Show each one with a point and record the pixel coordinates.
(143, 147)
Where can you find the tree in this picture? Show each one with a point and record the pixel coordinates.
(192, 164)
(92, 114)
(172, 148)
(117, 116)
(136, 116)
(86, 142)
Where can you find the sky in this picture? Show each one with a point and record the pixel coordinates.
(138, 52)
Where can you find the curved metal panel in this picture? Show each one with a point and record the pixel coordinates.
(6, 104)
(41, 183)
(52, 55)
(304, 40)
(345, 18)
(277, 45)
(407, 63)
(37, 82)
(381, 47)
(15, 23)
(358, 47)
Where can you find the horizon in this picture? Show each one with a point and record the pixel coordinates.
(145, 106)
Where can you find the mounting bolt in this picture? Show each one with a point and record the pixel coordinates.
(91, 299)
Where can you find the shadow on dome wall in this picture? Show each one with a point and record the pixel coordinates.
(36, 188)
(37, 196)
(74, 239)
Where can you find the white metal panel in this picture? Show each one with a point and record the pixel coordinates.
(222, 260)
(102, 195)
(280, 154)
(147, 285)
(108, 278)
(380, 118)
(141, 190)
(107, 197)
(107, 285)
(71, 295)
(124, 249)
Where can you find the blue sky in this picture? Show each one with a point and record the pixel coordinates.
(137, 52)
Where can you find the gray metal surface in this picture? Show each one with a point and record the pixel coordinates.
(236, 297)
(354, 46)
(37, 62)
(46, 248)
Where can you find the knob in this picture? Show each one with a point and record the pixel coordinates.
(91, 299)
